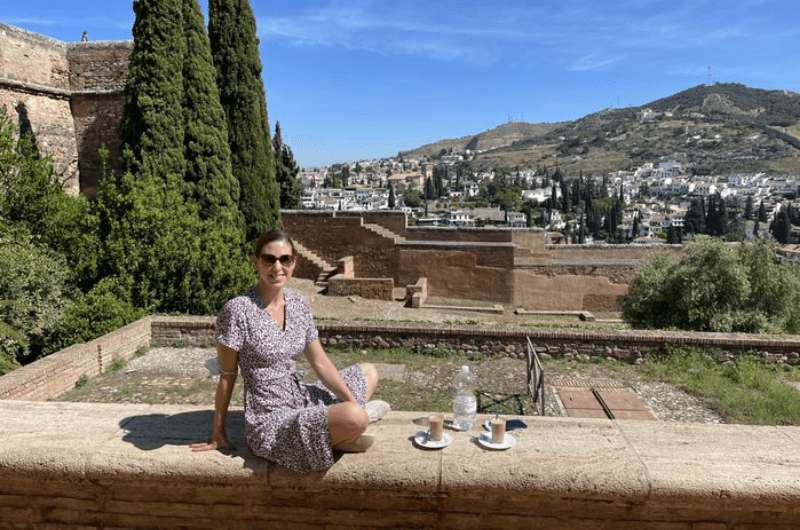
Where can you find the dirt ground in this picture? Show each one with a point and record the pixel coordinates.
(409, 381)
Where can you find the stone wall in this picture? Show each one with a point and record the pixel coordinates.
(98, 123)
(374, 288)
(333, 237)
(100, 466)
(564, 287)
(477, 271)
(49, 118)
(395, 221)
(98, 72)
(476, 235)
(33, 59)
(608, 252)
(55, 374)
(622, 345)
(71, 95)
(99, 67)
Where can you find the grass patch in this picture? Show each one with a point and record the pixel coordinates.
(116, 365)
(421, 359)
(744, 391)
(81, 381)
(407, 397)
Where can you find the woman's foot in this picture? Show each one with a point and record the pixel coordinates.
(359, 445)
(376, 409)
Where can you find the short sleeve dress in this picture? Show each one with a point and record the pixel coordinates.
(286, 420)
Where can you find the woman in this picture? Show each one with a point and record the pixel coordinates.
(286, 421)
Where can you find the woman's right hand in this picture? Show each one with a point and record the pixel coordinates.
(218, 441)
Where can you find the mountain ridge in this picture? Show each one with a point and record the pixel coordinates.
(714, 128)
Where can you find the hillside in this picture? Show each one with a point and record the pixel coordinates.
(501, 136)
(714, 128)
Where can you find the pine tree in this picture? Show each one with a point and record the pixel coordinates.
(635, 227)
(582, 232)
(287, 171)
(392, 199)
(234, 45)
(756, 229)
(152, 126)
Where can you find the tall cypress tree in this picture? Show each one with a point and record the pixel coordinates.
(209, 178)
(762, 212)
(748, 208)
(234, 45)
(287, 171)
(152, 125)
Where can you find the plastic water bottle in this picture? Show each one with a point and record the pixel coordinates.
(465, 406)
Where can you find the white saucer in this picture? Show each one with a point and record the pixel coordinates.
(421, 440)
(485, 440)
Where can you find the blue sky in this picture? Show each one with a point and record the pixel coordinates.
(352, 79)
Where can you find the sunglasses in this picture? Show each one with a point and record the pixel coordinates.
(269, 260)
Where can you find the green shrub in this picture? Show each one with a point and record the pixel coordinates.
(33, 293)
(103, 309)
(717, 287)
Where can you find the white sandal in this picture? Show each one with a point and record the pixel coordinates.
(376, 409)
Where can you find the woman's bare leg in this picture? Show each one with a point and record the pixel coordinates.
(346, 425)
(371, 375)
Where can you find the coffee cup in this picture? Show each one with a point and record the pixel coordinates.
(498, 426)
(436, 427)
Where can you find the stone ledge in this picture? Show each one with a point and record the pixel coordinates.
(103, 464)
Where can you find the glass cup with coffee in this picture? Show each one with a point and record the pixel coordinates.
(436, 427)
(498, 426)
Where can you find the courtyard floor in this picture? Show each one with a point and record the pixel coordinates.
(409, 381)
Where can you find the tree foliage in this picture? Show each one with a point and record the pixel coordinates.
(234, 45)
(152, 114)
(34, 290)
(717, 287)
(287, 171)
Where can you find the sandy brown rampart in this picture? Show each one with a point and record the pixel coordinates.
(333, 237)
(88, 465)
(70, 95)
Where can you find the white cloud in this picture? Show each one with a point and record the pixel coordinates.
(33, 21)
(593, 62)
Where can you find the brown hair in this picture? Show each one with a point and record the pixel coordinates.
(268, 237)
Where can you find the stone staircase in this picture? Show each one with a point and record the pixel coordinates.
(327, 269)
(322, 280)
(384, 232)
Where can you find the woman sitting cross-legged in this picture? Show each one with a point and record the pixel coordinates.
(294, 424)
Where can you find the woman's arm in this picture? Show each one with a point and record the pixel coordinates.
(228, 368)
(326, 371)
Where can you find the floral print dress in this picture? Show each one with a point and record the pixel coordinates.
(286, 420)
